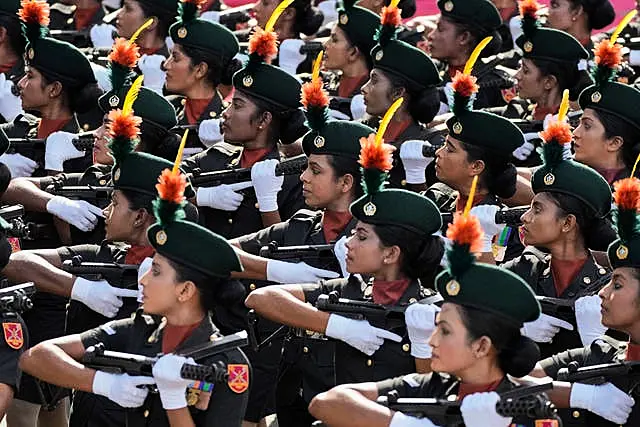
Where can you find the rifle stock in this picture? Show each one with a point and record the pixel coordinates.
(120, 275)
(508, 216)
(597, 374)
(17, 298)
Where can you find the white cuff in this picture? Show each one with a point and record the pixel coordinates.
(415, 176)
(634, 58)
(580, 396)
(421, 350)
(268, 203)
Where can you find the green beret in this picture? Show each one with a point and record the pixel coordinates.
(625, 254)
(10, 7)
(552, 45)
(150, 106)
(206, 36)
(486, 130)
(577, 180)
(193, 246)
(402, 208)
(338, 138)
(270, 84)
(360, 26)
(60, 60)
(490, 288)
(614, 98)
(480, 13)
(406, 61)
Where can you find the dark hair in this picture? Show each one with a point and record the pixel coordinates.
(566, 73)
(79, 99)
(342, 166)
(423, 104)
(600, 13)
(517, 354)
(586, 219)
(156, 140)
(615, 126)
(286, 126)
(477, 35)
(308, 18)
(5, 178)
(407, 8)
(421, 254)
(165, 18)
(366, 55)
(499, 175)
(138, 200)
(221, 69)
(14, 33)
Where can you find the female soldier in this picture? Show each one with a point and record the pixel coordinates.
(393, 242)
(476, 341)
(178, 292)
(12, 44)
(580, 17)
(265, 110)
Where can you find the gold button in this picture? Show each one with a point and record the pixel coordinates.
(586, 280)
(85, 126)
(70, 21)
(305, 349)
(212, 114)
(252, 286)
(230, 220)
(403, 182)
(369, 362)
(103, 182)
(146, 413)
(602, 271)
(412, 300)
(576, 414)
(184, 101)
(309, 332)
(257, 205)
(406, 348)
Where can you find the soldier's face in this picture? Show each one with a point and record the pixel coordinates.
(338, 52)
(240, 121)
(590, 143)
(130, 18)
(544, 224)
(621, 300)
(366, 254)
(530, 81)
(161, 291)
(443, 40)
(378, 93)
(263, 10)
(453, 166)
(321, 188)
(562, 14)
(100, 148)
(34, 91)
(120, 218)
(182, 75)
(452, 351)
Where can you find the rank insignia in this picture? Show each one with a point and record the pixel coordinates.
(114, 101)
(546, 423)
(31, 53)
(453, 288)
(457, 128)
(238, 378)
(549, 179)
(161, 237)
(247, 81)
(318, 141)
(13, 335)
(596, 97)
(379, 55)
(622, 252)
(116, 175)
(344, 19)
(182, 32)
(448, 6)
(528, 46)
(15, 244)
(369, 209)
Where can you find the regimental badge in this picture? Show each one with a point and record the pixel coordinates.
(161, 237)
(318, 141)
(31, 53)
(508, 94)
(238, 378)
(114, 101)
(344, 19)
(379, 55)
(448, 6)
(457, 128)
(193, 394)
(247, 81)
(543, 423)
(13, 335)
(116, 175)
(15, 244)
(452, 287)
(549, 179)
(622, 252)
(596, 97)
(182, 32)
(528, 46)
(370, 209)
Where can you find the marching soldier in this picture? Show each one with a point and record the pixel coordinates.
(76, 15)
(12, 44)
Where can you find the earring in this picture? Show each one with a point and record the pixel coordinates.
(573, 19)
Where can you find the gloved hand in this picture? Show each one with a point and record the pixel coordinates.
(329, 12)
(103, 77)
(58, 149)
(289, 56)
(524, 151)
(122, 388)
(605, 400)
(172, 387)
(211, 16)
(359, 334)
(358, 108)
(82, 215)
(486, 214)
(113, 4)
(589, 318)
(209, 131)
(413, 161)
(100, 296)
(10, 105)
(548, 119)
(340, 251)
(421, 322)
(401, 420)
(544, 328)
(151, 67)
(19, 165)
(479, 410)
(145, 266)
(223, 196)
(266, 184)
(102, 35)
(288, 272)
(338, 115)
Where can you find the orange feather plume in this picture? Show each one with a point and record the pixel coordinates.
(465, 84)
(466, 230)
(391, 16)
(198, 3)
(123, 125)
(314, 95)
(171, 186)
(34, 11)
(627, 193)
(608, 54)
(528, 7)
(559, 131)
(264, 43)
(374, 155)
(125, 53)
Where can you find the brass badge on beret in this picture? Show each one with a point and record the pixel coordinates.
(31, 53)
(622, 252)
(161, 237)
(344, 18)
(318, 141)
(453, 287)
(448, 6)
(457, 128)
(182, 32)
(247, 81)
(596, 97)
(114, 101)
(549, 179)
(379, 55)
(369, 209)
(528, 46)
(116, 175)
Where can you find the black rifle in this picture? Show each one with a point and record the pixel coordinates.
(312, 48)
(508, 216)
(75, 37)
(597, 374)
(34, 148)
(324, 253)
(133, 364)
(231, 17)
(17, 298)
(18, 227)
(292, 166)
(121, 275)
(100, 196)
(533, 126)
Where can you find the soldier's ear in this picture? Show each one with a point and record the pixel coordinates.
(3, 34)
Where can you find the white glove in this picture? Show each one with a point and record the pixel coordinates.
(401, 420)
(524, 151)
(266, 184)
(634, 58)
(359, 334)
(289, 56)
(211, 16)
(122, 388)
(340, 251)
(486, 214)
(209, 131)
(113, 4)
(100, 296)
(79, 213)
(479, 410)
(19, 165)
(58, 149)
(300, 272)
(413, 161)
(358, 108)
(102, 35)
(548, 119)
(605, 400)
(172, 387)
(589, 319)
(102, 75)
(154, 77)
(144, 267)
(544, 328)
(10, 105)
(421, 322)
(223, 196)
(328, 9)
(338, 115)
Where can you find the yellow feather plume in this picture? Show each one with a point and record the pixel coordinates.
(472, 194)
(132, 95)
(276, 14)
(394, 3)
(316, 66)
(468, 67)
(386, 119)
(564, 105)
(625, 21)
(176, 165)
(139, 31)
(635, 165)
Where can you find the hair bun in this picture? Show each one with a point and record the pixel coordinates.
(520, 357)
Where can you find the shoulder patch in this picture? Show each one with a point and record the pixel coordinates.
(13, 335)
(238, 377)
(226, 148)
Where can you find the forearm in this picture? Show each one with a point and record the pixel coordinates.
(270, 218)
(180, 418)
(336, 408)
(254, 267)
(27, 193)
(6, 397)
(28, 267)
(423, 366)
(524, 193)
